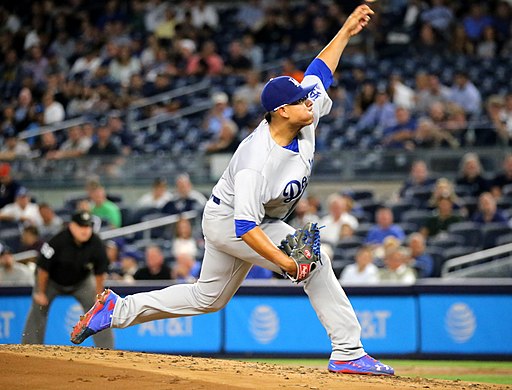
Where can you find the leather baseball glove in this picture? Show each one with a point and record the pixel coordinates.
(304, 248)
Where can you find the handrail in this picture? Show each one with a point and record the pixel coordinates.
(474, 258)
(52, 128)
(157, 119)
(135, 228)
(146, 225)
(143, 102)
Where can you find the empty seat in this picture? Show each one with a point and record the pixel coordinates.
(446, 240)
(470, 231)
(417, 217)
(491, 232)
(457, 251)
(350, 242)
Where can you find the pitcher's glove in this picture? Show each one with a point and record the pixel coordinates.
(304, 248)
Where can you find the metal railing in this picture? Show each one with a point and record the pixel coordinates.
(475, 263)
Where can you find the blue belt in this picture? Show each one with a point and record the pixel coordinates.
(215, 199)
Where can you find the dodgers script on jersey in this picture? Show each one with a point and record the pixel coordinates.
(267, 178)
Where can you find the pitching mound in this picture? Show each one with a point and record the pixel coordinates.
(55, 367)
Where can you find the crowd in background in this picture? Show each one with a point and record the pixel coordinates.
(423, 74)
(409, 235)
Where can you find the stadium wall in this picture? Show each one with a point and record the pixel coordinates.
(465, 318)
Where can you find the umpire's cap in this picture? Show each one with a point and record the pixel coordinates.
(82, 218)
(283, 90)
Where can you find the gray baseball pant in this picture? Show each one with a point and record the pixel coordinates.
(226, 262)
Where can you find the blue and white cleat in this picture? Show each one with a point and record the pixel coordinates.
(365, 365)
(98, 318)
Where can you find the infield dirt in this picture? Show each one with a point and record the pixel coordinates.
(57, 367)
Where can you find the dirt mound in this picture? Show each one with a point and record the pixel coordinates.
(56, 367)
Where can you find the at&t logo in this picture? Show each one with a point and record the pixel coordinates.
(460, 322)
(264, 324)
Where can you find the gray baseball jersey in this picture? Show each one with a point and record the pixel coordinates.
(261, 184)
(267, 178)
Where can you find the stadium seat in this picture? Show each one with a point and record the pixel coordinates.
(438, 257)
(446, 240)
(456, 251)
(416, 217)
(470, 231)
(400, 207)
(350, 242)
(491, 232)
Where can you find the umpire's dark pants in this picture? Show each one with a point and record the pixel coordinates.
(84, 292)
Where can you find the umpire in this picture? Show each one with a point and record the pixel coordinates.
(65, 267)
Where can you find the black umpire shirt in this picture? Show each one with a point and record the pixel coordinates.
(69, 263)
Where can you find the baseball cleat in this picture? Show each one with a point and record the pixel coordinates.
(365, 365)
(98, 318)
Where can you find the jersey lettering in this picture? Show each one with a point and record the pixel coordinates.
(47, 251)
(294, 189)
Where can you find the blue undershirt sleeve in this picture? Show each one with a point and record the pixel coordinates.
(321, 70)
(242, 227)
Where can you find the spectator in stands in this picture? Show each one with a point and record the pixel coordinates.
(289, 68)
(185, 268)
(401, 135)
(51, 222)
(419, 179)
(302, 214)
(364, 98)
(12, 271)
(8, 186)
(441, 219)
(129, 266)
(204, 15)
(243, 117)
(155, 268)
(185, 197)
(444, 188)
(13, 147)
(439, 16)
(103, 208)
(466, 94)
(252, 51)
(123, 66)
(21, 210)
(120, 134)
(76, 145)
(218, 114)
(237, 62)
(364, 271)
(53, 110)
(380, 114)
(207, 62)
(158, 197)
(460, 43)
(251, 89)
(30, 240)
(488, 211)
(47, 144)
(384, 227)
(421, 261)
(183, 241)
(401, 94)
(396, 267)
(435, 92)
(471, 175)
(339, 214)
(492, 128)
(501, 179)
(226, 141)
(487, 47)
(104, 145)
(476, 21)
(250, 14)
(11, 75)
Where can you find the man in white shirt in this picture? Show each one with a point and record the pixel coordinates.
(12, 271)
(158, 197)
(22, 210)
(363, 271)
(338, 215)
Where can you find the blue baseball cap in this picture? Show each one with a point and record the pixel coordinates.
(281, 91)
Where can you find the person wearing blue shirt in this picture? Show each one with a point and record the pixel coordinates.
(488, 211)
(384, 227)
